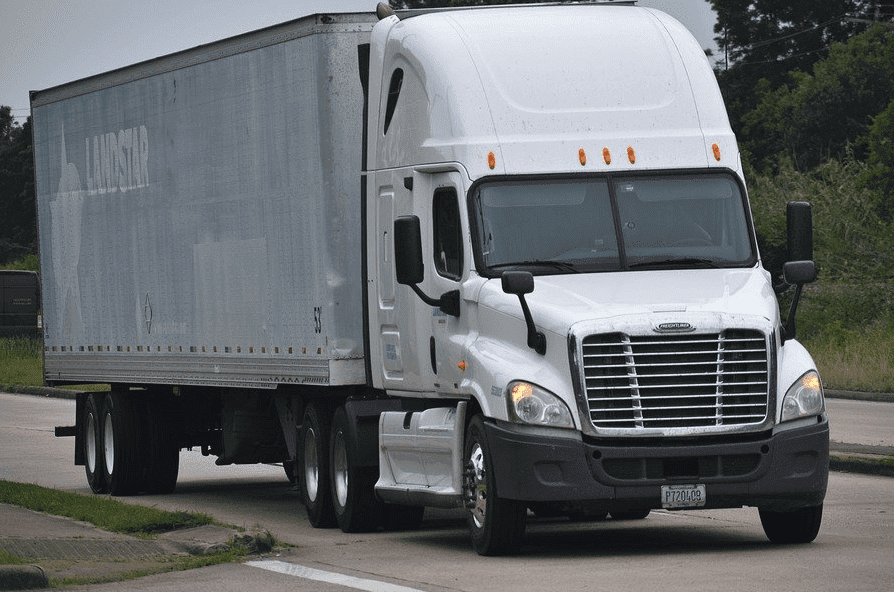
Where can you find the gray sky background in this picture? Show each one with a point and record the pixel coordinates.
(44, 43)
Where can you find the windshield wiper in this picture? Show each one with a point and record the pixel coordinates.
(681, 262)
(560, 265)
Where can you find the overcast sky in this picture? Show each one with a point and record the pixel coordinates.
(44, 43)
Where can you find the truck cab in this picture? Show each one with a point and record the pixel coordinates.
(562, 263)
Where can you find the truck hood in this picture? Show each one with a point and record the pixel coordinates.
(560, 301)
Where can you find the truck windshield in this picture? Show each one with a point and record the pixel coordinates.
(561, 225)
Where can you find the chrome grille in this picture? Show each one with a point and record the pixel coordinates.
(676, 381)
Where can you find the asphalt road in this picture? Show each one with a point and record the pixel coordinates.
(680, 551)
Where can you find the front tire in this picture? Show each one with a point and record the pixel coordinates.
(496, 525)
(353, 487)
(313, 476)
(796, 527)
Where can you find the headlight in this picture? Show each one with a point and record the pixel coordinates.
(531, 404)
(804, 398)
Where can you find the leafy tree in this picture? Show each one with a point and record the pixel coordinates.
(880, 174)
(768, 39)
(18, 232)
(825, 114)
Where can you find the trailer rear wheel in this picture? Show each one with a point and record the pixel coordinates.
(497, 525)
(799, 526)
(353, 486)
(313, 450)
(93, 444)
(121, 445)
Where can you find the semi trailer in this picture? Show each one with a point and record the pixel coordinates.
(499, 259)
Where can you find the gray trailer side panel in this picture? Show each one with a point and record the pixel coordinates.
(201, 224)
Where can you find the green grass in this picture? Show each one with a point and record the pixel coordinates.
(855, 360)
(7, 559)
(102, 512)
(21, 362)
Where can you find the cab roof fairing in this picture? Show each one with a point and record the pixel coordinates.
(596, 77)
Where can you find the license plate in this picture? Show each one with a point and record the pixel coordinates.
(682, 496)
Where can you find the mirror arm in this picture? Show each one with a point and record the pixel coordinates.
(448, 303)
(789, 330)
(536, 339)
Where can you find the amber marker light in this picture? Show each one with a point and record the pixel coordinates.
(631, 155)
(491, 160)
(582, 156)
(607, 155)
(461, 366)
(716, 150)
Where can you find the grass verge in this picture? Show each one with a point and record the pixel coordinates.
(21, 362)
(115, 516)
(101, 512)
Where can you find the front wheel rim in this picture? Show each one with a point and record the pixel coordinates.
(478, 509)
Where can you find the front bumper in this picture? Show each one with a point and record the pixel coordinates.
(781, 472)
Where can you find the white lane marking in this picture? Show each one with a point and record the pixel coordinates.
(329, 577)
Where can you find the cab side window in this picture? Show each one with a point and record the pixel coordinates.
(448, 248)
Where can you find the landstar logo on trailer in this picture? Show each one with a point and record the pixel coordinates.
(120, 161)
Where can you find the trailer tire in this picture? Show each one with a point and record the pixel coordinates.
(796, 527)
(163, 462)
(92, 443)
(122, 466)
(353, 486)
(496, 525)
(313, 456)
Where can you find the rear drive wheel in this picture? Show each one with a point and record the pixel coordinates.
(121, 445)
(92, 443)
(353, 487)
(496, 525)
(798, 526)
(313, 474)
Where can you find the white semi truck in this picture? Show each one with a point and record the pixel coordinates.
(499, 259)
